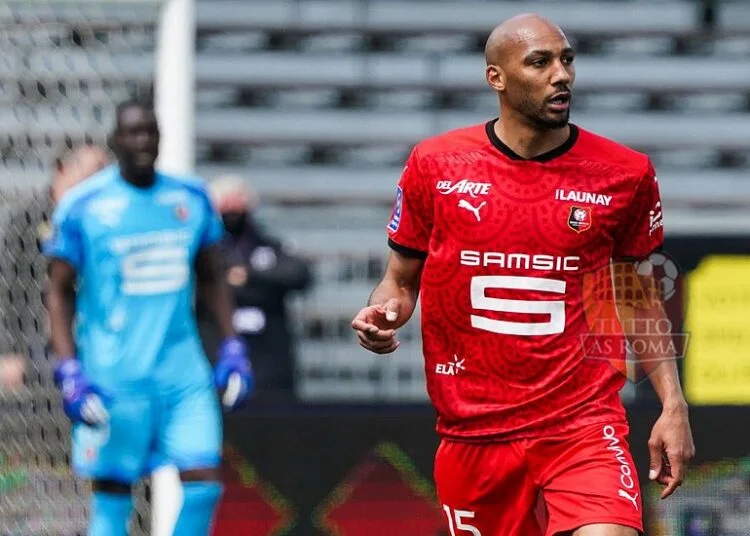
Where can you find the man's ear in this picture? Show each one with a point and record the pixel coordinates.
(495, 77)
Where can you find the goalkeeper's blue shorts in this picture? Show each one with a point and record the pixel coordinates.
(181, 428)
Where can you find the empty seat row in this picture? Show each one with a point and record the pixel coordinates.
(734, 15)
(378, 185)
(391, 16)
(387, 16)
(340, 185)
(306, 71)
(362, 127)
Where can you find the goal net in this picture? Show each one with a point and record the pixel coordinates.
(63, 67)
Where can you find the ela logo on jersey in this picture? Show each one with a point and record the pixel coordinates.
(579, 219)
(451, 368)
(397, 207)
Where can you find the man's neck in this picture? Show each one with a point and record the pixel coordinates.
(139, 179)
(528, 141)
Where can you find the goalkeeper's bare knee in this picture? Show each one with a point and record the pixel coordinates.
(211, 474)
(111, 486)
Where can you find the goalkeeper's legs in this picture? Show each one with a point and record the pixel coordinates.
(113, 456)
(201, 490)
(111, 505)
(190, 438)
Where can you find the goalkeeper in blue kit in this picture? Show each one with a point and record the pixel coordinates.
(129, 248)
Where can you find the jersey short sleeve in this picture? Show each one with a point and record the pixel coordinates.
(642, 230)
(410, 225)
(66, 239)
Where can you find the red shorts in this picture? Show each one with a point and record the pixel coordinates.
(501, 489)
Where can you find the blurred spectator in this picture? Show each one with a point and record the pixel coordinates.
(261, 274)
(22, 267)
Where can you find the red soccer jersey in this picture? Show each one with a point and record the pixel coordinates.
(508, 244)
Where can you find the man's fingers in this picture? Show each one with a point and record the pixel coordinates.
(93, 410)
(361, 325)
(676, 469)
(375, 344)
(387, 350)
(655, 458)
(665, 477)
(371, 331)
(379, 346)
(380, 335)
(233, 390)
(671, 487)
(672, 473)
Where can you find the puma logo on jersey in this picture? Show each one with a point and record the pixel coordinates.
(468, 206)
(463, 187)
(583, 197)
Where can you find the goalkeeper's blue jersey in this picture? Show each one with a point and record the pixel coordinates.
(134, 251)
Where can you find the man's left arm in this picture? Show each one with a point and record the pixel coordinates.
(233, 374)
(213, 289)
(650, 339)
(643, 320)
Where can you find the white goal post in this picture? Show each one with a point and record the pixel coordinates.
(175, 86)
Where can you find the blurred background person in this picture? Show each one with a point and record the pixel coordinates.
(27, 226)
(261, 274)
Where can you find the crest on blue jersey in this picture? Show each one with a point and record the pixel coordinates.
(181, 212)
(397, 207)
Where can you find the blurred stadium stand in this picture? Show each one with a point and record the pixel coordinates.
(318, 102)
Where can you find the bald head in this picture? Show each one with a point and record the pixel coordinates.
(75, 166)
(515, 33)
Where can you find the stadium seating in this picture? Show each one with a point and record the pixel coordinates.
(374, 127)
(390, 16)
(384, 70)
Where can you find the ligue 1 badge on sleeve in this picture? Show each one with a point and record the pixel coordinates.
(579, 219)
(397, 208)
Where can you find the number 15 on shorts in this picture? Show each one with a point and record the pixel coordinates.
(457, 524)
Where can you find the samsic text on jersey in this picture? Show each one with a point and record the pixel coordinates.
(509, 244)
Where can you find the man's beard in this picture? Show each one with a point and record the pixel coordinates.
(546, 123)
(538, 118)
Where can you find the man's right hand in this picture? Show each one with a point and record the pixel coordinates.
(376, 327)
(83, 402)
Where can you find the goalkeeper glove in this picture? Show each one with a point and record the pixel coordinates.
(233, 373)
(83, 402)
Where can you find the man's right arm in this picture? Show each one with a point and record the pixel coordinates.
(393, 301)
(401, 283)
(391, 304)
(61, 301)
